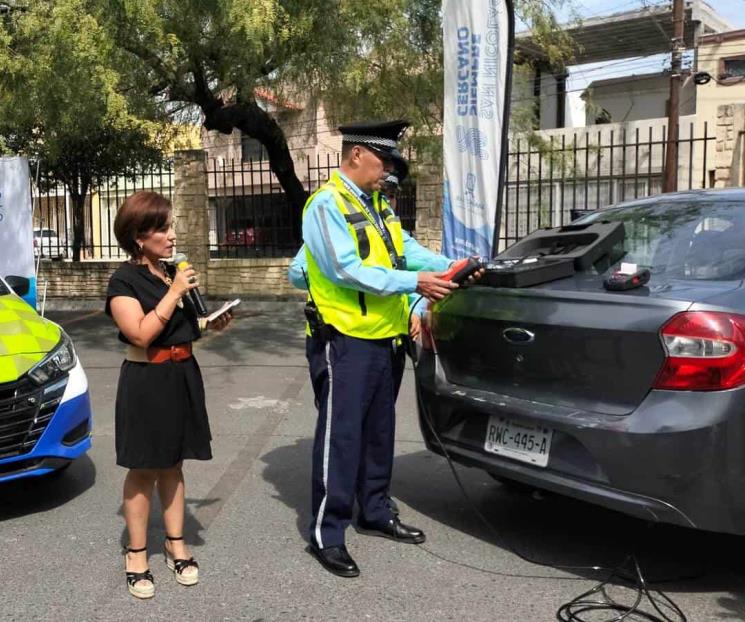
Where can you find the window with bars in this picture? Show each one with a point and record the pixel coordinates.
(732, 69)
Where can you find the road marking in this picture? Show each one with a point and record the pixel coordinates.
(233, 475)
(260, 402)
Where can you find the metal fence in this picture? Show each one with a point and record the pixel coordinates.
(551, 182)
(53, 212)
(250, 215)
(249, 212)
(548, 184)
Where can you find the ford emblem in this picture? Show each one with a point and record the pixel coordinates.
(518, 336)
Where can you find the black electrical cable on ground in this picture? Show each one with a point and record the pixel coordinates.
(596, 600)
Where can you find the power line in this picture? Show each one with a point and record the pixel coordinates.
(617, 9)
(541, 97)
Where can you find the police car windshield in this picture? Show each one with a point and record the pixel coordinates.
(697, 240)
(4, 291)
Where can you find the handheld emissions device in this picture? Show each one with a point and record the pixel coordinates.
(460, 270)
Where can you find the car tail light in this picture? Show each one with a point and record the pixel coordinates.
(428, 342)
(705, 351)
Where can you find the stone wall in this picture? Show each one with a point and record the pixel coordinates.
(729, 149)
(70, 284)
(429, 207)
(75, 280)
(264, 278)
(191, 210)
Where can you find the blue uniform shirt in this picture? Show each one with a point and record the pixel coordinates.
(327, 236)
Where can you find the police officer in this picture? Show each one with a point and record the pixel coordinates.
(359, 281)
(418, 257)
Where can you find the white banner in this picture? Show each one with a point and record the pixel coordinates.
(476, 37)
(16, 228)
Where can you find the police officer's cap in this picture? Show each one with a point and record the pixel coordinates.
(382, 138)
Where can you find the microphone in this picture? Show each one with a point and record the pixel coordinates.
(196, 297)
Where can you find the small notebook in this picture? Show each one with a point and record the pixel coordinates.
(223, 309)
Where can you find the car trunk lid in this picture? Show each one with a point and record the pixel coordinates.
(568, 343)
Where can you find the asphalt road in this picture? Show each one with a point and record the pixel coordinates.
(60, 536)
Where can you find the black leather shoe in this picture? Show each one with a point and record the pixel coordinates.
(336, 560)
(394, 529)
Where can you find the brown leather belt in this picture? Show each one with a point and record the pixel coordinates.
(158, 354)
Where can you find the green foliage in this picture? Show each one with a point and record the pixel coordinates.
(77, 77)
(377, 59)
(61, 101)
(555, 44)
(400, 73)
(231, 46)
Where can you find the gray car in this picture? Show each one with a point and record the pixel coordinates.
(631, 400)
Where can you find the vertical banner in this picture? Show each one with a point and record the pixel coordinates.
(16, 224)
(478, 37)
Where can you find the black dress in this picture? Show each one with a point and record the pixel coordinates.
(161, 417)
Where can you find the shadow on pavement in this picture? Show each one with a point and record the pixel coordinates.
(260, 331)
(30, 495)
(561, 531)
(547, 528)
(288, 470)
(252, 330)
(734, 607)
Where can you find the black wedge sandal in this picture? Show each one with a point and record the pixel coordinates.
(133, 578)
(179, 565)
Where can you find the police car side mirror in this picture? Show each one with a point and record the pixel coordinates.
(19, 284)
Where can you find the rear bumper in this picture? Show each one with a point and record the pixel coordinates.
(679, 458)
(66, 437)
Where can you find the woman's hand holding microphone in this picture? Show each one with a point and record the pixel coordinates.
(183, 281)
(186, 279)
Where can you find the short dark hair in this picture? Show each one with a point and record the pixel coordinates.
(140, 213)
(346, 148)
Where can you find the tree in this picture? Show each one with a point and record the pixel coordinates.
(214, 55)
(77, 77)
(378, 58)
(62, 103)
(401, 72)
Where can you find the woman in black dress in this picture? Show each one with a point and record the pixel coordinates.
(161, 418)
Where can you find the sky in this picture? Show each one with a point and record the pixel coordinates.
(579, 77)
(731, 10)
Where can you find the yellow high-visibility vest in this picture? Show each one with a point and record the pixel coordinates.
(350, 311)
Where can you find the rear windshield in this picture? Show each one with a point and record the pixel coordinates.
(696, 240)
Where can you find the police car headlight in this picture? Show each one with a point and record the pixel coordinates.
(56, 363)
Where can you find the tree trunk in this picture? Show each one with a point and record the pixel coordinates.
(78, 191)
(78, 230)
(250, 119)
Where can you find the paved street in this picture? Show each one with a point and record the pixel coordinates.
(60, 537)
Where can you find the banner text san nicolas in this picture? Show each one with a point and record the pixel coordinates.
(475, 36)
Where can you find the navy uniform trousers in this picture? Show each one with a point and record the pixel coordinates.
(353, 447)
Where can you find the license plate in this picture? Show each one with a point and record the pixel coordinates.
(519, 441)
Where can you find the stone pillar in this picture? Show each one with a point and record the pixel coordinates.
(190, 209)
(429, 207)
(729, 149)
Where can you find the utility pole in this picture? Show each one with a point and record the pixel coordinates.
(673, 116)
